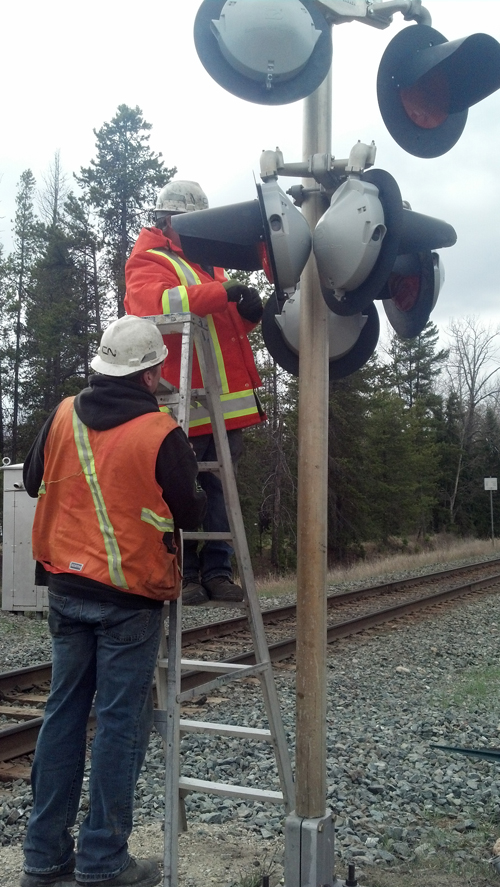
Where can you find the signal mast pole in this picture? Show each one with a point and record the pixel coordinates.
(309, 846)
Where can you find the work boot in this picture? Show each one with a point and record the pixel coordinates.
(193, 593)
(139, 873)
(222, 588)
(65, 876)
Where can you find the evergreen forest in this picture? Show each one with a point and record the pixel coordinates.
(412, 435)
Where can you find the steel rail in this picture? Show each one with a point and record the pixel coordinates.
(27, 732)
(23, 678)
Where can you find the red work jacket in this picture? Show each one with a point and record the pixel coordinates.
(100, 510)
(160, 280)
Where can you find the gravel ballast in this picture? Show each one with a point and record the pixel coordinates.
(392, 693)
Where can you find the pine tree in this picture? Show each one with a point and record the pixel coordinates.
(3, 343)
(415, 364)
(484, 462)
(447, 423)
(26, 244)
(53, 196)
(268, 468)
(56, 333)
(401, 455)
(91, 283)
(120, 185)
(349, 520)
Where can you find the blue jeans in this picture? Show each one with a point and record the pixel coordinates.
(214, 558)
(110, 652)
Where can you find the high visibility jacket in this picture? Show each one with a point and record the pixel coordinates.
(100, 511)
(160, 280)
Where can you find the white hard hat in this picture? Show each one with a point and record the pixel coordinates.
(129, 345)
(181, 197)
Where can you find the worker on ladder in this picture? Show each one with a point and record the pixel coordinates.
(160, 280)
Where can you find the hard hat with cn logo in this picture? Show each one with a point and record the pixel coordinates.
(181, 196)
(129, 345)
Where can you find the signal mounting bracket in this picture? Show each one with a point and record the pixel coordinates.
(329, 172)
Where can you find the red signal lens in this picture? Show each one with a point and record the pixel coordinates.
(404, 291)
(427, 102)
(265, 261)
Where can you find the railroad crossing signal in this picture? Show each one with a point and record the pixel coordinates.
(426, 85)
(351, 340)
(269, 233)
(270, 53)
(369, 245)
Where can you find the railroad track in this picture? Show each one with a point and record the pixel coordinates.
(24, 691)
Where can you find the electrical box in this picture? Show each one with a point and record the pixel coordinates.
(19, 591)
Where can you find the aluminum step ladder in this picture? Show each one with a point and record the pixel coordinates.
(170, 665)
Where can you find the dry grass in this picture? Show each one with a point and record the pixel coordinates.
(441, 550)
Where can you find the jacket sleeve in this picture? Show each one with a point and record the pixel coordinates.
(34, 463)
(153, 287)
(176, 473)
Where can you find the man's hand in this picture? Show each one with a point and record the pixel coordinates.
(250, 305)
(248, 301)
(234, 289)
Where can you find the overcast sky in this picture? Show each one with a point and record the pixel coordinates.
(65, 68)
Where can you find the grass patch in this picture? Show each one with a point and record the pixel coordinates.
(432, 872)
(445, 550)
(446, 858)
(276, 586)
(479, 685)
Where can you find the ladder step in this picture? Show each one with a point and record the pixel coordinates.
(200, 689)
(220, 667)
(188, 726)
(209, 466)
(203, 665)
(230, 791)
(219, 537)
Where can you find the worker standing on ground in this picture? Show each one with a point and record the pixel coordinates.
(115, 478)
(160, 280)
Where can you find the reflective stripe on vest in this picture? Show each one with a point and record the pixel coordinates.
(234, 405)
(163, 524)
(176, 300)
(86, 458)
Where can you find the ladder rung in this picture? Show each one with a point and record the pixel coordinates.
(220, 537)
(188, 726)
(219, 682)
(209, 466)
(231, 791)
(202, 665)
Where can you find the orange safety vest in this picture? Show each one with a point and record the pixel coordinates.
(100, 510)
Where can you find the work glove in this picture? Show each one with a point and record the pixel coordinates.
(234, 289)
(248, 301)
(250, 305)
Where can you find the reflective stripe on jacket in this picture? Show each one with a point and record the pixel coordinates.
(161, 281)
(100, 510)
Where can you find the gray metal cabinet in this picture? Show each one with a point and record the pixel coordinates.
(19, 591)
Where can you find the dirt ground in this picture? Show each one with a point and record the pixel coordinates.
(208, 854)
(214, 854)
